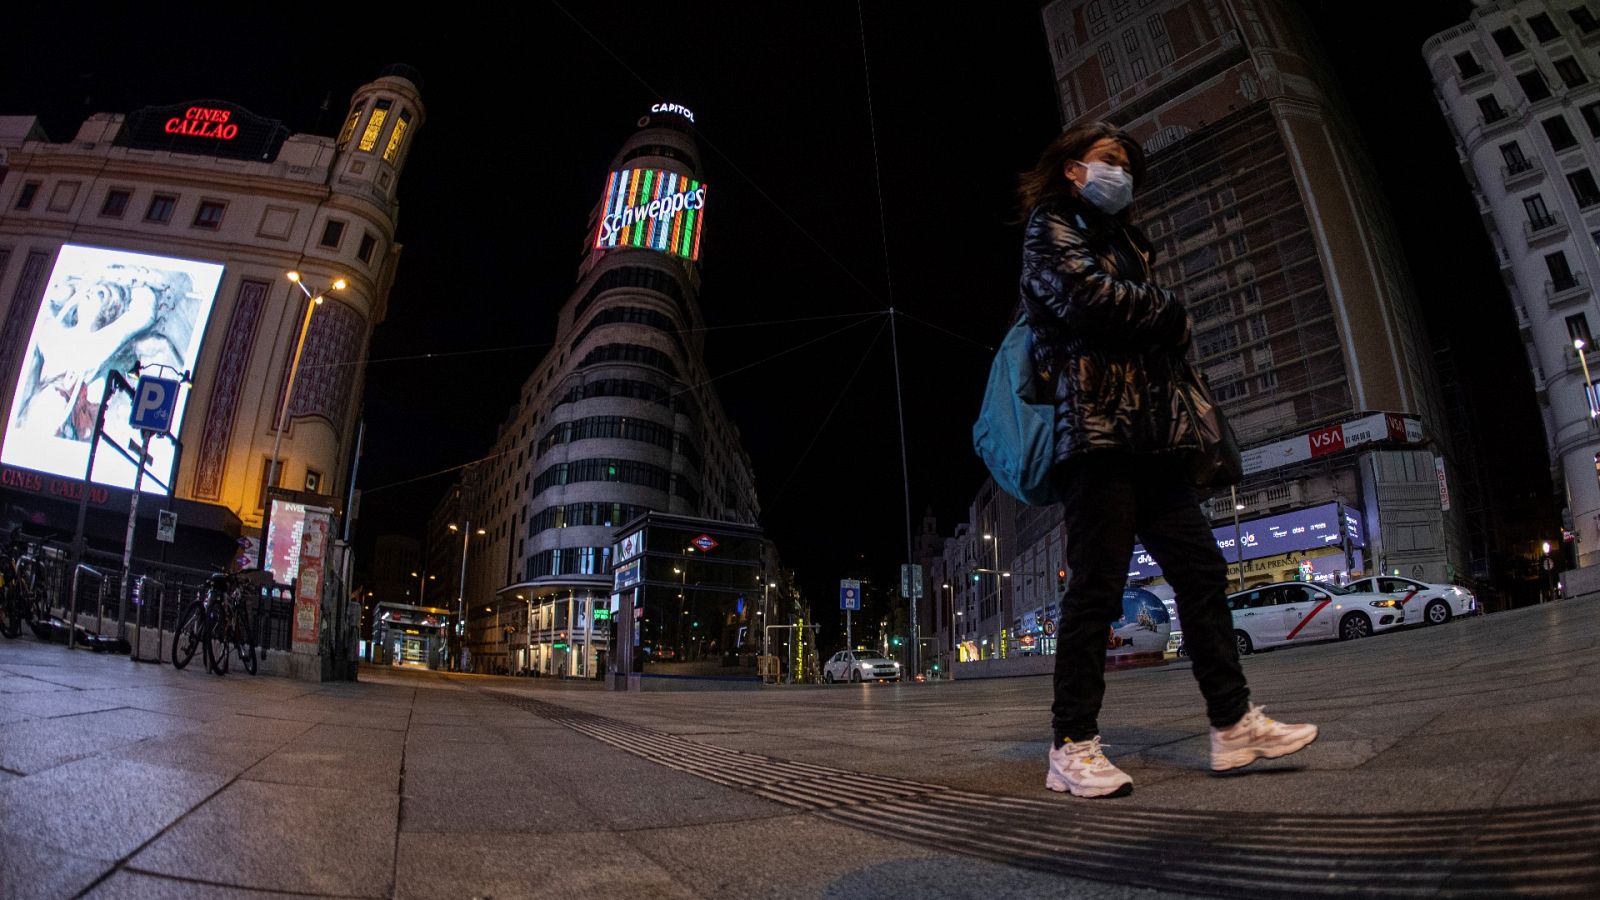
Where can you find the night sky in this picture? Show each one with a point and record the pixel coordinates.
(524, 115)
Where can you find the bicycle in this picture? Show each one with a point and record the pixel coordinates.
(218, 621)
(20, 598)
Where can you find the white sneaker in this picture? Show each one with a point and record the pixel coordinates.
(1256, 736)
(1081, 769)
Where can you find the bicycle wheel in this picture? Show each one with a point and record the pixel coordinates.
(215, 640)
(30, 577)
(242, 643)
(187, 638)
(11, 609)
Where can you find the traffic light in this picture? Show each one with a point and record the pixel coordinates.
(1061, 581)
(895, 641)
(974, 577)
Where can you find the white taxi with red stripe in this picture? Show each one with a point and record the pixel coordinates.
(1425, 603)
(1301, 612)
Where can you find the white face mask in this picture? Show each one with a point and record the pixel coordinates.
(1108, 187)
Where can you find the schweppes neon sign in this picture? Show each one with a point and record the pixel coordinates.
(653, 209)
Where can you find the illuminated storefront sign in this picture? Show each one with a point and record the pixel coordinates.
(1304, 529)
(654, 209)
(684, 111)
(105, 310)
(204, 128)
(1368, 429)
(204, 121)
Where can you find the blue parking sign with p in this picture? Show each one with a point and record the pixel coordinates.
(154, 400)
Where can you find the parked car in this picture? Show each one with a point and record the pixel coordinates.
(860, 665)
(1302, 612)
(1425, 603)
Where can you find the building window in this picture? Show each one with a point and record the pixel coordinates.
(1156, 26)
(116, 203)
(332, 233)
(1571, 73)
(1507, 41)
(1555, 128)
(1584, 19)
(209, 215)
(1096, 14)
(1578, 330)
(1130, 41)
(369, 137)
(25, 196)
(1490, 107)
(1515, 161)
(1561, 278)
(1467, 65)
(1164, 53)
(1139, 68)
(161, 206)
(393, 148)
(1119, 9)
(1533, 85)
(1583, 187)
(368, 244)
(1538, 214)
(1591, 118)
(1543, 28)
(1108, 65)
(349, 129)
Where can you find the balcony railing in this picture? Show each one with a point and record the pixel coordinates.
(1574, 287)
(1545, 227)
(1520, 172)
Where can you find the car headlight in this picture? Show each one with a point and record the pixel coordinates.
(1391, 602)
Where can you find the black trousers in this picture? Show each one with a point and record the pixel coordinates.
(1108, 498)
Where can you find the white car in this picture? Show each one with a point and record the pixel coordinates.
(1425, 603)
(860, 665)
(1300, 612)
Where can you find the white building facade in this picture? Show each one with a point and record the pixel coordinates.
(1519, 83)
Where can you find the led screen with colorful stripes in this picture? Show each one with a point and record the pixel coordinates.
(654, 209)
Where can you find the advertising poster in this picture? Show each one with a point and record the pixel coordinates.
(308, 595)
(1144, 625)
(105, 310)
(654, 209)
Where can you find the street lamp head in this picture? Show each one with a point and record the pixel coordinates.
(340, 284)
(293, 276)
(1239, 507)
(1546, 548)
(988, 537)
(1577, 343)
(481, 531)
(317, 299)
(452, 527)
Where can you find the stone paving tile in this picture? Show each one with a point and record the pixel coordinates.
(327, 766)
(454, 734)
(8, 715)
(131, 885)
(577, 865)
(104, 808)
(16, 684)
(199, 752)
(362, 737)
(258, 728)
(798, 856)
(52, 704)
(29, 868)
(323, 842)
(136, 724)
(37, 744)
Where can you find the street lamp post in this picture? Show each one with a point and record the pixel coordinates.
(313, 300)
(461, 597)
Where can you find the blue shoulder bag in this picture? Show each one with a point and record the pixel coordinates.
(1015, 432)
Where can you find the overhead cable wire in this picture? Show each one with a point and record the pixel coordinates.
(823, 425)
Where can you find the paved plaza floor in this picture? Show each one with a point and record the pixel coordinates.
(1456, 760)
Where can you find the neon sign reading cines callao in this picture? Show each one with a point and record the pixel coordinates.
(684, 111)
(654, 209)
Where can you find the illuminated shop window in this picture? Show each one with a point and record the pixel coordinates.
(393, 148)
(369, 137)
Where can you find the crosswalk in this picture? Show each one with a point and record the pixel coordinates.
(1553, 849)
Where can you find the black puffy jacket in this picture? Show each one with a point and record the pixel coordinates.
(1108, 338)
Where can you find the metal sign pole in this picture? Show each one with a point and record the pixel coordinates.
(127, 544)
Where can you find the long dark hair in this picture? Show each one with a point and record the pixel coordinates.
(1048, 178)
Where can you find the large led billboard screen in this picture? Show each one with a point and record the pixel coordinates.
(105, 309)
(654, 209)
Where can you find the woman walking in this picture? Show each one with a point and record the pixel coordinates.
(1111, 342)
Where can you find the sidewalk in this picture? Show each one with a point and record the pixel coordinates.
(1453, 760)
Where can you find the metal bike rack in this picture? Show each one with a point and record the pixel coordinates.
(72, 626)
(142, 589)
